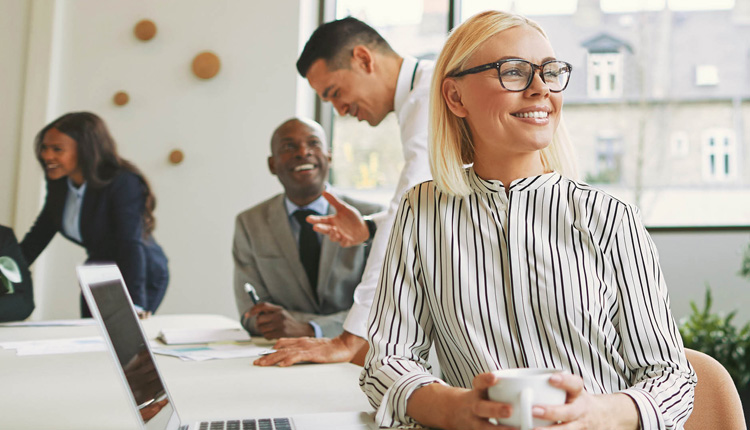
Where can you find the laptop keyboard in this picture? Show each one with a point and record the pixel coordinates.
(260, 424)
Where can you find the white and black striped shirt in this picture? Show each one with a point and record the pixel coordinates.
(554, 274)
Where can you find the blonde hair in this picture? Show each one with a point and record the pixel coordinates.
(450, 144)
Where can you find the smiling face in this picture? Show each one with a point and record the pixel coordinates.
(300, 160)
(59, 155)
(354, 91)
(506, 125)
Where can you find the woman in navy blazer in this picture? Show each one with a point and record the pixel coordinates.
(114, 220)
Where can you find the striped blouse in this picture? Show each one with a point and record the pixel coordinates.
(554, 274)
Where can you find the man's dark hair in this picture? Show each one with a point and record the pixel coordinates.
(333, 40)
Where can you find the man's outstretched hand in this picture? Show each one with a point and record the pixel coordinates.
(346, 226)
(344, 348)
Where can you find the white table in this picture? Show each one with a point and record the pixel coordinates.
(83, 390)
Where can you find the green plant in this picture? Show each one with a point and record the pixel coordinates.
(9, 273)
(717, 336)
(745, 268)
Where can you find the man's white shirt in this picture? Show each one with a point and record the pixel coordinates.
(411, 105)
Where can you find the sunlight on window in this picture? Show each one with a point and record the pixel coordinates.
(367, 161)
(655, 107)
(638, 5)
(527, 7)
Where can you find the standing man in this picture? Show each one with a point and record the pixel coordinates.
(349, 64)
(304, 281)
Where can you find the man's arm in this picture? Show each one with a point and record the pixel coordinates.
(274, 322)
(245, 271)
(344, 348)
(346, 227)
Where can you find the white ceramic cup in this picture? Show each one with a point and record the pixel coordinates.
(523, 389)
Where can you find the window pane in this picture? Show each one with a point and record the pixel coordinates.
(367, 160)
(642, 75)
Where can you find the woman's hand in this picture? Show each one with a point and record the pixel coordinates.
(450, 408)
(588, 411)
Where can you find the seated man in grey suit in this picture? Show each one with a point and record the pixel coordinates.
(305, 282)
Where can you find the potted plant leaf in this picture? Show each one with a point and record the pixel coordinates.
(717, 336)
(9, 274)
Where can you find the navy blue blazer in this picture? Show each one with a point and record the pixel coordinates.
(111, 231)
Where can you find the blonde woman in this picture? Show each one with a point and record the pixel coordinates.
(511, 263)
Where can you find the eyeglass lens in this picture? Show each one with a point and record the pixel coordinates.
(517, 75)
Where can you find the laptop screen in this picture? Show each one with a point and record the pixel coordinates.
(112, 304)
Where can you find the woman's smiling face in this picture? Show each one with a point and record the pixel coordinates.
(506, 122)
(59, 153)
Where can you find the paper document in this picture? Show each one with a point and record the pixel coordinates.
(56, 346)
(216, 351)
(186, 336)
(50, 323)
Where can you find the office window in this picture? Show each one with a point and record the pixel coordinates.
(605, 75)
(608, 163)
(706, 75)
(636, 107)
(719, 156)
(367, 160)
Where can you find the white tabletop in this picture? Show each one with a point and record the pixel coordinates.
(84, 391)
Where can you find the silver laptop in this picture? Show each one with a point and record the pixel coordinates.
(109, 302)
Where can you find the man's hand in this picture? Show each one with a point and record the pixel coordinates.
(346, 226)
(337, 350)
(274, 322)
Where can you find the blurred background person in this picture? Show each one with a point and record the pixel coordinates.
(304, 280)
(100, 201)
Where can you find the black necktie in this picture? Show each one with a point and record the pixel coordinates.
(309, 247)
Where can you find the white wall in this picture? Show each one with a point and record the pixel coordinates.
(222, 125)
(690, 261)
(14, 20)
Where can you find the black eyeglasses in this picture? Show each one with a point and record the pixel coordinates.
(516, 74)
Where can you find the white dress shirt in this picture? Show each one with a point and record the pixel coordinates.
(411, 104)
(555, 274)
(71, 220)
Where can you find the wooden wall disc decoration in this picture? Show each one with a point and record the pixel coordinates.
(206, 65)
(176, 157)
(121, 98)
(145, 30)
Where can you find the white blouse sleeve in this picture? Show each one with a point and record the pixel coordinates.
(400, 328)
(662, 380)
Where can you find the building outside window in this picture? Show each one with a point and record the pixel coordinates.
(706, 75)
(719, 156)
(605, 75)
(608, 168)
(641, 72)
(679, 144)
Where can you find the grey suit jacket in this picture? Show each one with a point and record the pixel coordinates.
(267, 256)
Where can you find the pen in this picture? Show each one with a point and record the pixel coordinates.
(251, 292)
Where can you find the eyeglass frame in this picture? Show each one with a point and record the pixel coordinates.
(496, 65)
